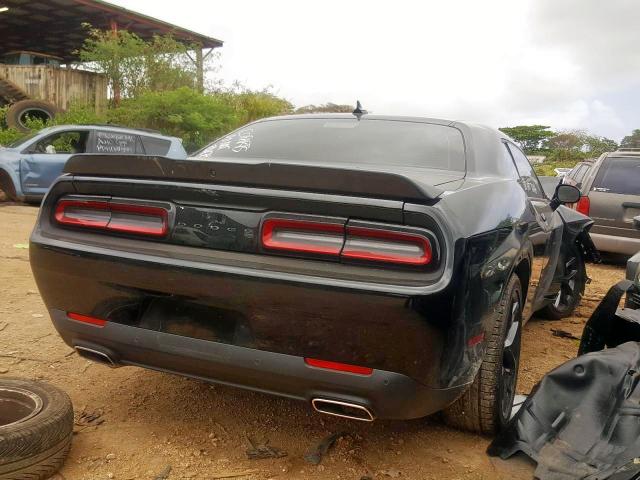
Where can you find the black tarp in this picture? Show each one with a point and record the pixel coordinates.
(582, 421)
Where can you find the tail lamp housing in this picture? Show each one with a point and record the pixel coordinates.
(584, 205)
(377, 243)
(113, 215)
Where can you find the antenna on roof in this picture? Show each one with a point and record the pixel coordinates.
(359, 111)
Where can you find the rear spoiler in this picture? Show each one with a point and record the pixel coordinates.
(264, 175)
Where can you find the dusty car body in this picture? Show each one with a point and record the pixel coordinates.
(368, 265)
(30, 165)
(611, 197)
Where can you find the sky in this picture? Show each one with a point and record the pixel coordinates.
(568, 64)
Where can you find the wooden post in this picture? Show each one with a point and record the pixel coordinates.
(199, 69)
(116, 82)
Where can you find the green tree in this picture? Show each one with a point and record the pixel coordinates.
(184, 113)
(325, 108)
(631, 141)
(596, 145)
(134, 66)
(532, 138)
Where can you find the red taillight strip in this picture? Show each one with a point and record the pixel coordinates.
(158, 212)
(111, 222)
(340, 367)
(61, 217)
(98, 322)
(271, 225)
(403, 237)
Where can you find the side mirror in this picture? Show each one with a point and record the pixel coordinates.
(565, 194)
(636, 222)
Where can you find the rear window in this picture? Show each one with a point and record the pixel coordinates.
(619, 175)
(155, 146)
(579, 172)
(344, 141)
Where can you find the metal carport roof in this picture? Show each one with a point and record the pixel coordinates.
(55, 27)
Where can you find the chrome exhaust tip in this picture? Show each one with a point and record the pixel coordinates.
(96, 356)
(337, 408)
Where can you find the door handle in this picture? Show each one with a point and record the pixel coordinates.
(543, 217)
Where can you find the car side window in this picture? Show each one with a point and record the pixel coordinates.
(155, 146)
(528, 179)
(61, 143)
(116, 142)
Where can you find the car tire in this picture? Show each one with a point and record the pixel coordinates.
(574, 279)
(36, 426)
(485, 407)
(7, 186)
(37, 108)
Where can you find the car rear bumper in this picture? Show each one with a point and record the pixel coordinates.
(385, 394)
(615, 244)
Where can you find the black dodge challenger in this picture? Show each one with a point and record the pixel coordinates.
(373, 266)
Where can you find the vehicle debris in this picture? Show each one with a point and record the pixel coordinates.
(87, 420)
(557, 332)
(580, 422)
(609, 326)
(164, 474)
(264, 450)
(314, 456)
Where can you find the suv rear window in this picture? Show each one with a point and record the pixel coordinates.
(619, 175)
(344, 141)
(155, 146)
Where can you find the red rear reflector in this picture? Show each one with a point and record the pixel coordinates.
(584, 205)
(473, 341)
(113, 216)
(302, 236)
(340, 367)
(387, 246)
(86, 319)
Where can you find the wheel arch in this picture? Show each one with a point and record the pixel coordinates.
(523, 270)
(8, 184)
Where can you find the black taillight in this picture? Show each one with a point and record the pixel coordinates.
(114, 216)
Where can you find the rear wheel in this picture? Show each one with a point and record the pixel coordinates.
(573, 278)
(486, 406)
(7, 186)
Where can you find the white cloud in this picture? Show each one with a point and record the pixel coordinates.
(498, 62)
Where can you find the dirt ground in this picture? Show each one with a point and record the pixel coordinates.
(138, 424)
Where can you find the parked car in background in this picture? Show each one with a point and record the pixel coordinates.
(611, 197)
(561, 171)
(29, 166)
(577, 173)
(373, 266)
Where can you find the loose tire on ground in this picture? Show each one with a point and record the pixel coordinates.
(17, 113)
(36, 426)
(485, 408)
